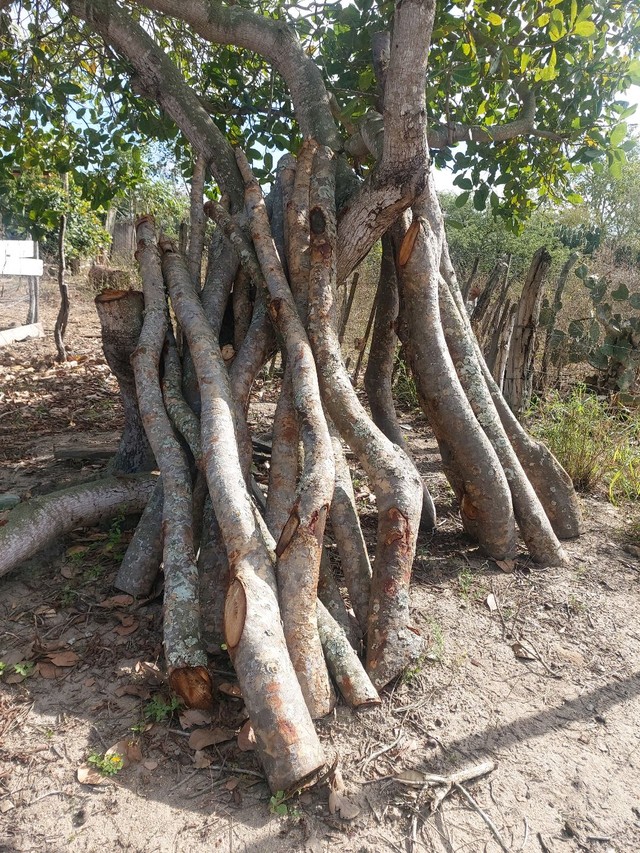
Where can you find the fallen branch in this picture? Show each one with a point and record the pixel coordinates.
(32, 525)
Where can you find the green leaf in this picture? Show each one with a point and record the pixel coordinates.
(462, 199)
(586, 29)
(618, 134)
(480, 197)
(634, 301)
(543, 20)
(621, 294)
(574, 198)
(494, 19)
(576, 329)
(634, 72)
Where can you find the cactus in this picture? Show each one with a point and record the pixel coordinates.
(609, 341)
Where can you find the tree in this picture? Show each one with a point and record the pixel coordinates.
(369, 108)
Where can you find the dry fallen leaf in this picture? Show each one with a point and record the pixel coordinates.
(116, 601)
(194, 717)
(246, 738)
(125, 630)
(524, 651)
(491, 602)
(201, 738)
(48, 670)
(232, 783)
(506, 566)
(138, 690)
(150, 764)
(87, 775)
(6, 806)
(68, 658)
(127, 749)
(201, 759)
(343, 805)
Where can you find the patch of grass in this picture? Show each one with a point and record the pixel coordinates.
(108, 765)
(597, 441)
(465, 581)
(403, 386)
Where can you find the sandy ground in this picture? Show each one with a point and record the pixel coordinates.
(535, 670)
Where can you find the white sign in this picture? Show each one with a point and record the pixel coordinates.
(18, 257)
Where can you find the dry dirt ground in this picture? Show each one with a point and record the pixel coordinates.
(536, 670)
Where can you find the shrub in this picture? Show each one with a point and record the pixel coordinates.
(596, 440)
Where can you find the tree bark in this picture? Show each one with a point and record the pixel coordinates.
(197, 218)
(378, 377)
(185, 656)
(469, 461)
(518, 380)
(286, 740)
(141, 562)
(32, 525)
(120, 313)
(391, 641)
(63, 314)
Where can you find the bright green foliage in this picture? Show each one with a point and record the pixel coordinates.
(108, 765)
(33, 204)
(485, 59)
(68, 104)
(158, 710)
(597, 443)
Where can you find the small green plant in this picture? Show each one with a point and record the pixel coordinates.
(157, 710)
(404, 387)
(597, 441)
(3, 667)
(278, 806)
(68, 595)
(108, 765)
(24, 668)
(465, 581)
(436, 647)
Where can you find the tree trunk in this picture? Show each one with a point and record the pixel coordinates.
(554, 309)
(378, 377)
(63, 314)
(120, 314)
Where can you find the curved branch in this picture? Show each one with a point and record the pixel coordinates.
(160, 80)
(277, 42)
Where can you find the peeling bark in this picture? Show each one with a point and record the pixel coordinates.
(286, 741)
(183, 646)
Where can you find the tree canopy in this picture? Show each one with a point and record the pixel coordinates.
(535, 90)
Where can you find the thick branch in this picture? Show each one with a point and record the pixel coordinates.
(30, 526)
(161, 81)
